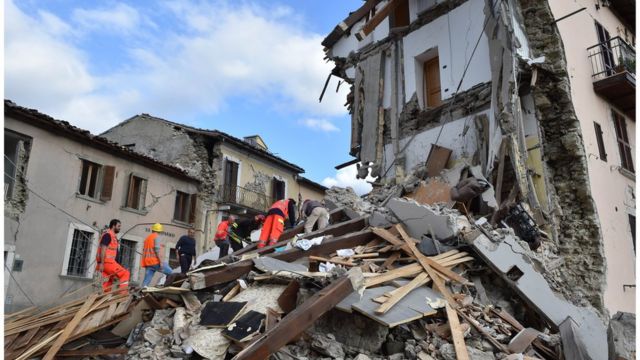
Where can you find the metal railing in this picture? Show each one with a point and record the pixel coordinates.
(245, 197)
(612, 57)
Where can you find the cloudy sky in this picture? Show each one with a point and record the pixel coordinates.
(243, 67)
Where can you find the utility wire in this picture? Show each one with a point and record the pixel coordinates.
(19, 286)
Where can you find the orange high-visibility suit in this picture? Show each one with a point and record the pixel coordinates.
(111, 268)
(273, 225)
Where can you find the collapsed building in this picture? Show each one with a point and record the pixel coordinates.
(508, 86)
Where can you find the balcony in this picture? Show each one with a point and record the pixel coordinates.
(236, 195)
(614, 73)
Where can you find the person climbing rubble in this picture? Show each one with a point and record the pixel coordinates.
(152, 252)
(221, 238)
(314, 212)
(274, 223)
(243, 231)
(106, 259)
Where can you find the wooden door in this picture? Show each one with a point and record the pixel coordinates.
(432, 83)
(230, 181)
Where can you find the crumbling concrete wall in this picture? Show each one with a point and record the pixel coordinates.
(576, 219)
(15, 204)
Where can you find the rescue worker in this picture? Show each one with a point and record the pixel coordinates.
(152, 255)
(274, 225)
(106, 259)
(186, 251)
(244, 230)
(221, 238)
(313, 211)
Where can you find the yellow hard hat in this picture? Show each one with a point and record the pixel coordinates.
(157, 227)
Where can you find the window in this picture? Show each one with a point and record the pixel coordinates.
(632, 224)
(136, 193)
(278, 189)
(185, 207)
(96, 181)
(603, 153)
(431, 84)
(127, 254)
(400, 16)
(605, 49)
(80, 253)
(230, 180)
(623, 142)
(15, 146)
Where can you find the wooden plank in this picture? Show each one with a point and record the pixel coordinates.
(441, 269)
(437, 160)
(488, 336)
(298, 320)
(68, 330)
(38, 347)
(401, 293)
(377, 19)
(408, 271)
(501, 156)
(386, 235)
(235, 290)
(368, 255)
(437, 281)
(334, 261)
(388, 263)
(457, 334)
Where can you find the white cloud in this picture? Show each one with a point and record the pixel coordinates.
(120, 18)
(346, 177)
(323, 125)
(212, 52)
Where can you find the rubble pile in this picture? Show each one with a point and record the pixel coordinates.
(396, 275)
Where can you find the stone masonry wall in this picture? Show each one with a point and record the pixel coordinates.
(579, 235)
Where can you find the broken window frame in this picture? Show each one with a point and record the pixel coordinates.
(274, 192)
(622, 138)
(80, 233)
(600, 140)
(184, 208)
(11, 164)
(95, 168)
(136, 201)
(401, 15)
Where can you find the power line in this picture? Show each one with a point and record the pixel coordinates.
(19, 286)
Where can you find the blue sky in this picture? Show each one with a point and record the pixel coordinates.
(244, 67)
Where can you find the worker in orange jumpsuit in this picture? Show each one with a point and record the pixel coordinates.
(274, 223)
(106, 259)
(221, 238)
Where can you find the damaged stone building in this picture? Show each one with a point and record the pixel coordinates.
(540, 95)
(62, 187)
(238, 176)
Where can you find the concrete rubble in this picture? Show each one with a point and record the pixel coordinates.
(495, 298)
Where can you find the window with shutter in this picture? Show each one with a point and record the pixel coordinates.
(107, 183)
(192, 209)
(626, 160)
(599, 139)
(136, 192)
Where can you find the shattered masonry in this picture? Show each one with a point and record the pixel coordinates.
(475, 121)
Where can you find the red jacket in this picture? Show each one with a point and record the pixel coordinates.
(223, 230)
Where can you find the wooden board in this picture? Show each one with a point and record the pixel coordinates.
(220, 314)
(457, 334)
(396, 316)
(433, 191)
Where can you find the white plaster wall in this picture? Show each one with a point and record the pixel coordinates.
(42, 231)
(609, 187)
(452, 137)
(454, 35)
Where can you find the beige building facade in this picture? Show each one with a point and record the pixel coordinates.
(239, 176)
(62, 187)
(601, 66)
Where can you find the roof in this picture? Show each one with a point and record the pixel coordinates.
(225, 138)
(304, 180)
(63, 128)
(344, 26)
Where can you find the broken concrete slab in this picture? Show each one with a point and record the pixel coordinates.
(271, 265)
(422, 219)
(509, 260)
(622, 336)
(209, 344)
(327, 345)
(489, 195)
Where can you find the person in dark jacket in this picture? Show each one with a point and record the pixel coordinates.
(186, 251)
(244, 230)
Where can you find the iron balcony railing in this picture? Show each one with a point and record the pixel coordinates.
(245, 197)
(612, 57)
